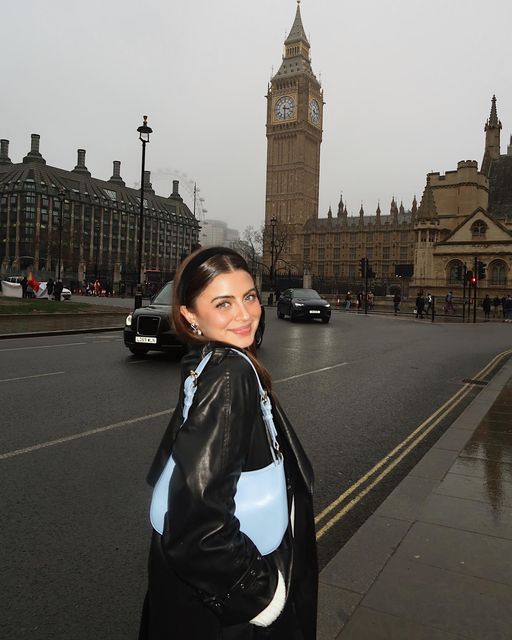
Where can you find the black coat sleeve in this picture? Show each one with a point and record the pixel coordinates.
(201, 537)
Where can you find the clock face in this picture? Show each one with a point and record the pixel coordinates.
(284, 108)
(314, 111)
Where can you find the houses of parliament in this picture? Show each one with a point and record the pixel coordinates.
(463, 213)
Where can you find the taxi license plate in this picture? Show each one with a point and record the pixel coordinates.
(314, 311)
(145, 339)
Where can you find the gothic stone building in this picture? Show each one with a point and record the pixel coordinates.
(467, 214)
(330, 247)
(95, 222)
(463, 213)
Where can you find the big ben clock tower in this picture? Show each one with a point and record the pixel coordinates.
(294, 134)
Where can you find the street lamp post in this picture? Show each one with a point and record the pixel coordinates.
(144, 132)
(273, 223)
(61, 224)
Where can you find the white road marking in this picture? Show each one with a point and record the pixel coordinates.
(84, 434)
(308, 373)
(38, 375)
(124, 423)
(46, 346)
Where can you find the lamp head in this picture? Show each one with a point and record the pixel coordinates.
(144, 130)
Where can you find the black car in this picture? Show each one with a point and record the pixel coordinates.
(150, 328)
(303, 304)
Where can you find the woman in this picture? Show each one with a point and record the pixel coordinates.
(207, 579)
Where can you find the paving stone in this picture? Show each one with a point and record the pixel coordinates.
(501, 438)
(479, 468)
(433, 597)
(405, 502)
(367, 624)
(360, 561)
(434, 464)
(459, 551)
(467, 515)
(335, 606)
(484, 451)
(495, 490)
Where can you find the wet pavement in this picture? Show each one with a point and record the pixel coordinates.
(435, 560)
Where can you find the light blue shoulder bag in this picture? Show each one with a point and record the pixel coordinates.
(261, 503)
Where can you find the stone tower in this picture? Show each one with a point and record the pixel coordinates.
(492, 139)
(294, 134)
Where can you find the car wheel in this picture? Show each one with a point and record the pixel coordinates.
(258, 337)
(139, 351)
(292, 318)
(325, 320)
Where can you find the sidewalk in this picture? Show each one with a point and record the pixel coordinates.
(434, 562)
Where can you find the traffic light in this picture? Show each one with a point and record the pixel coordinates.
(363, 266)
(481, 270)
(470, 278)
(371, 273)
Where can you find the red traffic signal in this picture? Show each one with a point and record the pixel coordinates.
(470, 278)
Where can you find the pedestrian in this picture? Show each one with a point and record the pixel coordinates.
(420, 305)
(57, 290)
(24, 287)
(278, 295)
(397, 299)
(503, 300)
(359, 300)
(448, 303)
(97, 287)
(371, 299)
(49, 287)
(507, 308)
(496, 302)
(207, 578)
(428, 300)
(486, 305)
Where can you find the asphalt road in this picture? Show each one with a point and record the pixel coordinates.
(81, 418)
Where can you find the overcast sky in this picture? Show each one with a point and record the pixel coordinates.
(407, 86)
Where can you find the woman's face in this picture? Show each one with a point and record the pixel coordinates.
(228, 310)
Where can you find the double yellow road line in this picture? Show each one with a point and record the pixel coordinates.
(340, 507)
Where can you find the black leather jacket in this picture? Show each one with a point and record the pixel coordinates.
(203, 569)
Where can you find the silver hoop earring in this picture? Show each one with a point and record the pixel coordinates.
(195, 329)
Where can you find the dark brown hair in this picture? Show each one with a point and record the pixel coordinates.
(194, 274)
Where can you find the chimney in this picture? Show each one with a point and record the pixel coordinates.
(4, 152)
(148, 187)
(116, 174)
(80, 163)
(175, 190)
(33, 155)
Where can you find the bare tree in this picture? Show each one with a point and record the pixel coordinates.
(251, 247)
(275, 238)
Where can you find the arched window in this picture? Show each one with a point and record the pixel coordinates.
(498, 273)
(478, 229)
(455, 272)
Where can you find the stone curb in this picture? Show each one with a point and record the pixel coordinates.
(348, 577)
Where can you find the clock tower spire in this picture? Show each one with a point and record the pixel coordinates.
(294, 134)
